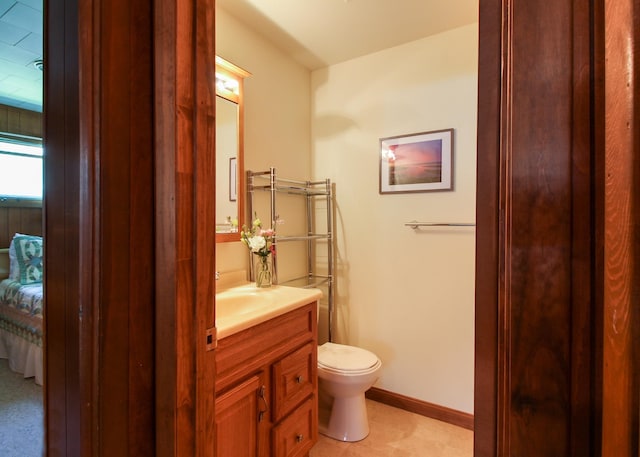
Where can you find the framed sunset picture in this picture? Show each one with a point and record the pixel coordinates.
(419, 162)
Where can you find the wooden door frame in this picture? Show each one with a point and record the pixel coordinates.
(68, 233)
(185, 227)
(600, 404)
(72, 134)
(129, 165)
(619, 206)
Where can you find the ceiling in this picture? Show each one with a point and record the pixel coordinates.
(316, 33)
(20, 47)
(319, 33)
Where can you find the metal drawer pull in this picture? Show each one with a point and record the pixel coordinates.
(299, 379)
(299, 438)
(261, 395)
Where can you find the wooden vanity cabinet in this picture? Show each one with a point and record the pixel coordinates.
(266, 388)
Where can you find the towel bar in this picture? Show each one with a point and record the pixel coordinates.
(415, 224)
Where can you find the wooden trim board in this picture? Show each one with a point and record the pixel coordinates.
(441, 413)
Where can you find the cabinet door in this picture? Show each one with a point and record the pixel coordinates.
(237, 415)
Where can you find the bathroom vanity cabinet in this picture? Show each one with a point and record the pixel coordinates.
(266, 388)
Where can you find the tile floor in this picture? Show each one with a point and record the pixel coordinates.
(398, 433)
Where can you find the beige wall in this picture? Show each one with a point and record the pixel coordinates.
(407, 296)
(277, 117)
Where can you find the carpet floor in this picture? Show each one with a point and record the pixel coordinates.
(21, 415)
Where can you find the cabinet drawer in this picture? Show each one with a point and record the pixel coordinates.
(249, 350)
(294, 378)
(296, 435)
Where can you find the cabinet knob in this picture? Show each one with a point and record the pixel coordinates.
(299, 379)
(299, 438)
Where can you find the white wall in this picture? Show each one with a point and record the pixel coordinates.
(277, 115)
(407, 296)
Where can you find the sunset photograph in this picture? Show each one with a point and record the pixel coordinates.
(416, 163)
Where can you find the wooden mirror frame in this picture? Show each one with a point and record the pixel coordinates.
(232, 71)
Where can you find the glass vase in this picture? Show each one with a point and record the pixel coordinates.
(263, 271)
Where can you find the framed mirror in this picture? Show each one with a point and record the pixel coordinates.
(229, 150)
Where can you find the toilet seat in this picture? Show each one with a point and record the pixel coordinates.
(341, 358)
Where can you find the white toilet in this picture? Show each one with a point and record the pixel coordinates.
(345, 373)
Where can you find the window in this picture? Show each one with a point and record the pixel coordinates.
(20, 170)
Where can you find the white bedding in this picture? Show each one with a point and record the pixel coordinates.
(21, 306)
(24, 357)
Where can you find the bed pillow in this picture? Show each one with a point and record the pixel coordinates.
(29, 252)
(14, 268)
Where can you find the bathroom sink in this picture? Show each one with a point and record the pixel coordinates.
(241, 307)
(239, 302)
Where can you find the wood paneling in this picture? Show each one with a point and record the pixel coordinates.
(14, 217)
(20, 121)
(18, 219)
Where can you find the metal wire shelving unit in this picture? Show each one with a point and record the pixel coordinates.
(313, 192)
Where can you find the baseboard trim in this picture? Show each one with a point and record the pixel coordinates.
(423, 408)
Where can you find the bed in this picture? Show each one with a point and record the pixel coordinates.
(21, 306)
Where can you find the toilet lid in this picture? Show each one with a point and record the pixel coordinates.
(345, 358)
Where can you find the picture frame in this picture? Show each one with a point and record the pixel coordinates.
(417, 162)
(233, 179)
